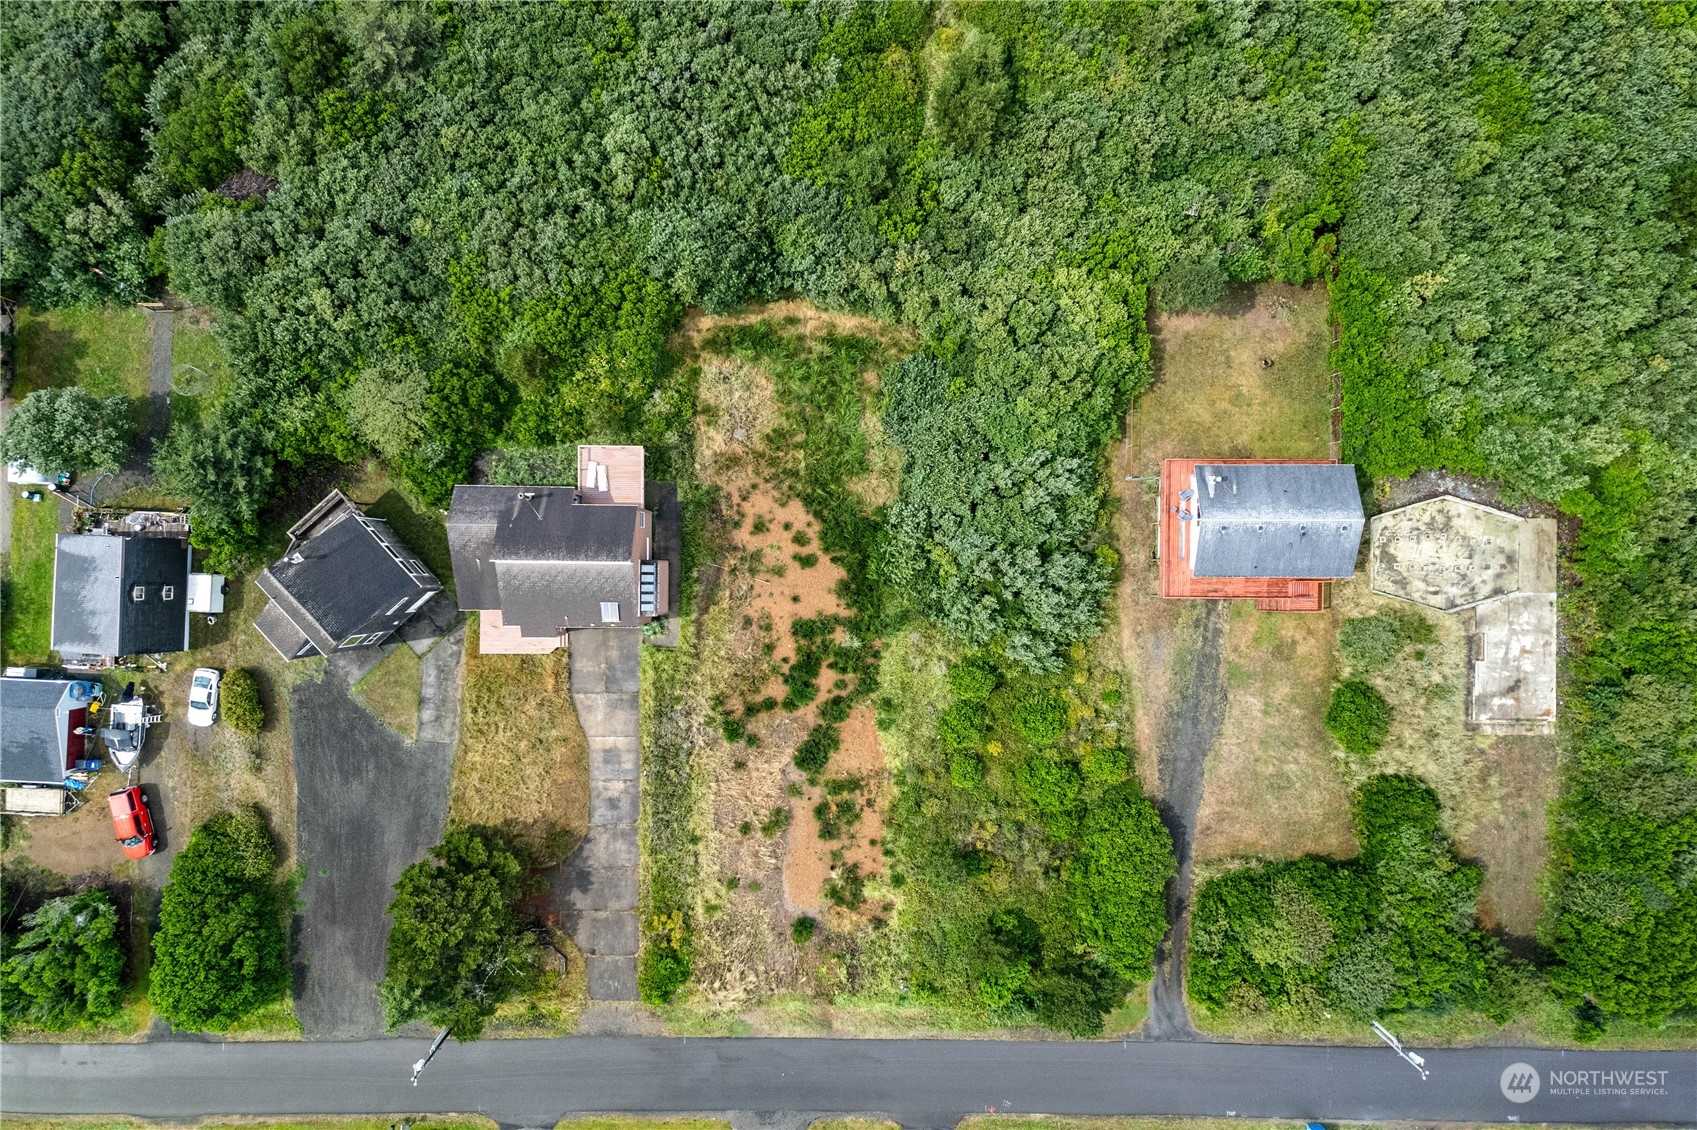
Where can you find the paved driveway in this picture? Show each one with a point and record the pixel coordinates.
(596, 888)
(368, 802)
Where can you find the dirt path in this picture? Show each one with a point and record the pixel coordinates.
(1189, 729)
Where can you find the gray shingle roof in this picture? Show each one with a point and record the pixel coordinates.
(30, 730)
(1276, 520)
(543, 561)
(472, 518)
(94, 610)
(339, 578)
(542, 597)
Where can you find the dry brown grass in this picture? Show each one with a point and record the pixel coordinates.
(523, 761)
(1271, 787)
(391, 691)
(1495, 791)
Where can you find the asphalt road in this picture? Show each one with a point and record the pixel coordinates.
(920, 1083)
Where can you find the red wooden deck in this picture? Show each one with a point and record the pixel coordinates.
(1270, 594)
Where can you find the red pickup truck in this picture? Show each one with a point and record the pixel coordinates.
(132, 821)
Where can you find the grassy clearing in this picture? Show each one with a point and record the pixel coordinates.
(119, 1122)
(1212, 397)
(391, 691)
(200, 373)
(637, 1122)
(26, 600)
(102, 348)
(523, 761)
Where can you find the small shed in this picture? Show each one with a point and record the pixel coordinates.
(39, 720)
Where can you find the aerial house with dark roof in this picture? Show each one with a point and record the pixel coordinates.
(118, 593)
(539, 561)
(1275, 531)
(346, 582)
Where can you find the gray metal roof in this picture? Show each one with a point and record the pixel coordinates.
(1276, 520)
(542, 597)
(94, 581)
(31, 730)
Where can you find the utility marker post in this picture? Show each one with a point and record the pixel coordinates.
(1396, 1045)
(441, 1037)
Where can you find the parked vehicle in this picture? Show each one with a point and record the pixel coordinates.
(132, 820)
(24, 476)
(125, 731)
(203, 697)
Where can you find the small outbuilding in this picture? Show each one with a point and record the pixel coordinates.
(1275, 531)
(40, 720)
(1498, 571)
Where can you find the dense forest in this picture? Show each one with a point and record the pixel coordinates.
(432, 229)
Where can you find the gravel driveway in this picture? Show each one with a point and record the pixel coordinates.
(369, 802)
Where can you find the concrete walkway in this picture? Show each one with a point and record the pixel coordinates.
(596, 888)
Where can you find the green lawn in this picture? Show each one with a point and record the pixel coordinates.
(104, 349)
(391, 691)
(199, 370)
(26, 602)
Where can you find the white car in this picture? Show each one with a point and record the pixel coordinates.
(203, 697)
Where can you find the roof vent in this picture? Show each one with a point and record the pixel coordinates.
(297, 558)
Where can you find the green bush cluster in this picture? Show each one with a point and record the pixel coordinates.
(65, 968)
(220, 952)
(1368, 643)
(1358, 717)
(457, 950)
(1393, 929)
(240, 704)
(1032, 867)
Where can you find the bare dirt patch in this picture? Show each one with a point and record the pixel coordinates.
(811, 859)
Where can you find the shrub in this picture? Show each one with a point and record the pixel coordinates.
(776, 821)
(1048, 784)
(816, 749)
(220, 952)
(1368, 643)
(972, 680)
(1041, 718)
(1105, 766)
(733, 728)
(1072, 999)
(961, 726)
(456, 950)
(801, 930)
(65, 968)
(67, 429)
(837, 708)
(965, 771)
(1118, 880)
(1359, 717)
(240, 704)
(661, 972)
(847, 887)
